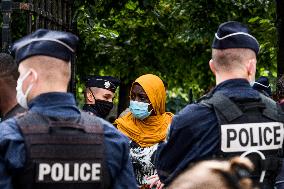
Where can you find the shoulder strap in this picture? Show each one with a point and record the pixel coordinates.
(223, 105)
(272, 110)
(89, 119)
(29, 119)
(32, 123)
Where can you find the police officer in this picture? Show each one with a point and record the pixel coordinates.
(99, 94)
(233, 119)
(8, 82)
(54, 145)
(262, 85)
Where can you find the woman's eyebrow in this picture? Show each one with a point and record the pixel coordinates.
(142, 94)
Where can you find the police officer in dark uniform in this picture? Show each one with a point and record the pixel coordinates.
(54, 144)
(233, 119)
(262, 85)
(99, 94)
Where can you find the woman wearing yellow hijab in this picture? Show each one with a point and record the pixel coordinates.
(146, 124)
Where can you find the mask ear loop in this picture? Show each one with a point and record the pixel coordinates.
(30, 87)
(150, 110)
(28, 90)
(25, 76)
(35, 74)
(22, 80)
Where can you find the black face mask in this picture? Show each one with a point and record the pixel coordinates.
(102, 107)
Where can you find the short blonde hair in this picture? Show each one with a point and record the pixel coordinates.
(52, 70)
(214, 174)
(230, 59)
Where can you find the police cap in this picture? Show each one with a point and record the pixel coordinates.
(262, 85)
(233, 34)
(57, 44)
(106, 82)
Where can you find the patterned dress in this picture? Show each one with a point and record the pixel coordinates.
(142, 160)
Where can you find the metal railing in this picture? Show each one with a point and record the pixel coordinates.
(48, 14)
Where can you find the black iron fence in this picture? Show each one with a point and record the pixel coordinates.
(34, 14)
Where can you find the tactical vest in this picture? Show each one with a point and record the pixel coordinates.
(62, 153)
(251, 128)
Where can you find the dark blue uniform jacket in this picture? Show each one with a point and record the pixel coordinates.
(194, 133)
(12, 150)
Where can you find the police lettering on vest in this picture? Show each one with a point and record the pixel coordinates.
(68, 172)
(251, 136)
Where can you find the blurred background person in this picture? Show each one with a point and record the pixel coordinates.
(280, 98)
(262, 85)
(146, 124)
(280, 91)
(213, 174)
(99, 94)
(8, 81)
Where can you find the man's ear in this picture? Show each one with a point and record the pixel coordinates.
(251, 67)
(34, 76)
(212, 66)
(90, 97)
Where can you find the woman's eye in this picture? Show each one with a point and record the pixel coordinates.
(143, 99)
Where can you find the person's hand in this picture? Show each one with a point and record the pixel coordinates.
(154, 180)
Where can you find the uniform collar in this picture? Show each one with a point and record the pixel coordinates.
(54, 104)
(236, 88)
(14, 111)
(232, 83)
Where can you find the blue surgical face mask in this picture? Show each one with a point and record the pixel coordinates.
(139, 109)
(21, 96)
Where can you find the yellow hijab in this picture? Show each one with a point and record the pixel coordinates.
(153, 129)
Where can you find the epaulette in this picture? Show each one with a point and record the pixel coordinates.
(19, 115)
(204, 97)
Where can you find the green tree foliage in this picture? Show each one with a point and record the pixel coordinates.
(170, 38)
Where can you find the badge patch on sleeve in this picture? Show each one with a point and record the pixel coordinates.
(251, 136)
